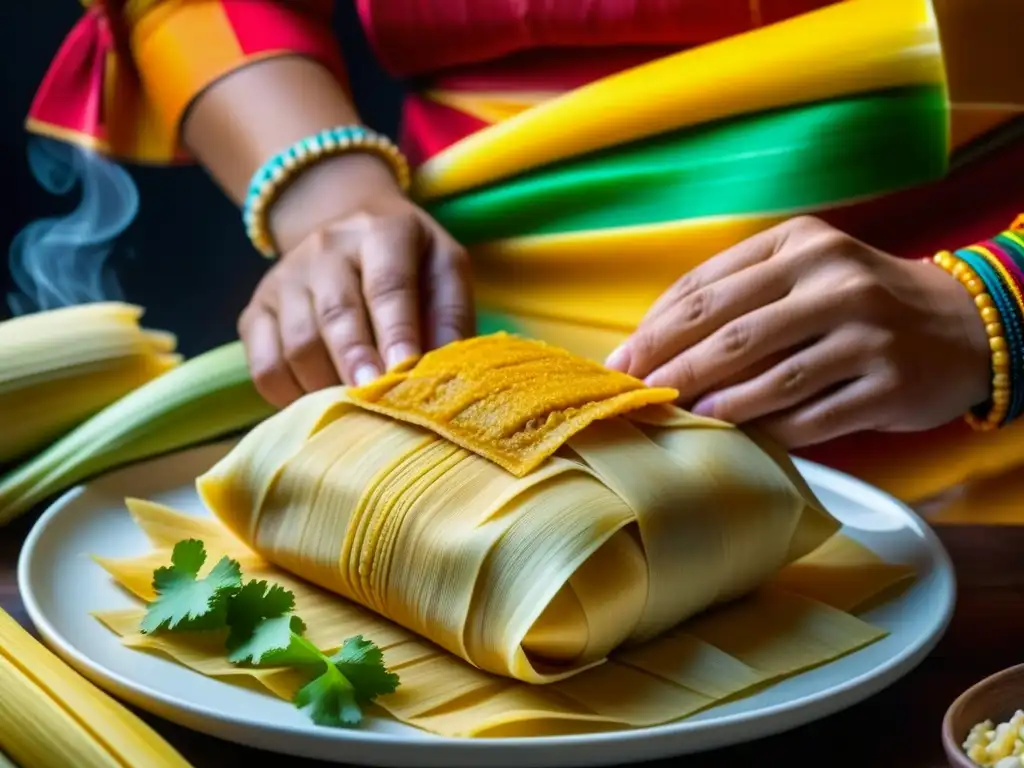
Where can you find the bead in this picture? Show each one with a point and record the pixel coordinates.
(994, 329)
(1000, 360)
(990, 315)
(983, 300)
(1001, 381)
(1001, 397)
(997, 344)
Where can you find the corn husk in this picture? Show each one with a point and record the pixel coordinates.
(204, 398)
(59, 367)
(800, 619)
(476, 535)
(51, 717)
(535, 542)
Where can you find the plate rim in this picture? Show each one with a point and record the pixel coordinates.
(769, 720)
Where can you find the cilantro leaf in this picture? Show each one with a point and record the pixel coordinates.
(254, 603)
(274, 642)
(263, 630)
(362, 663)
(186, 602)
(352, 678)
(330, 699)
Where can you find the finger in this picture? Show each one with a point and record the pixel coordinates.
(740, 343)
(390, 272)
(747, 253)
(702, 314)
(757, 367)
(799, 378)
(447, 294)
(341, 316)
(853, 408)
(301, 343)
(267, 366)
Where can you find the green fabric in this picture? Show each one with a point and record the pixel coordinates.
(804, 156)
(489, 321)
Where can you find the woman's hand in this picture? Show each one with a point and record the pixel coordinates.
(366, 290)
(814, 335)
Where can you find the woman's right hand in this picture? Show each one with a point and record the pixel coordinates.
(364, 291)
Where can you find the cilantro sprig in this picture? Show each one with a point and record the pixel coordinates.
(263, 630)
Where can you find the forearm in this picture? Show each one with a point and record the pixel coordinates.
(237, 81)
(245, 118)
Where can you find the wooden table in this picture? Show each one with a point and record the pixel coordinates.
(898, 728)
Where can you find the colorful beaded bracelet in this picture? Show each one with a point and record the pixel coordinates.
(286, 166)
(990, 315)
(1012, 321)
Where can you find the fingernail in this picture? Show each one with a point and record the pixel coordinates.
(618, 360)
(365, 374)
(704, 407)
(400, 353)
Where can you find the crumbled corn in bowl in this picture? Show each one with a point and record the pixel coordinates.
(997, 746)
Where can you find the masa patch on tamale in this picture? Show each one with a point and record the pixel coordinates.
(513, 401)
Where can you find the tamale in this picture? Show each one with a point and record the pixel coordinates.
(500, 514)
(496, 499)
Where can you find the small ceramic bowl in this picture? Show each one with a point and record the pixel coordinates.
(995, 698)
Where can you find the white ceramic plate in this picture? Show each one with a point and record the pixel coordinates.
(60, 585)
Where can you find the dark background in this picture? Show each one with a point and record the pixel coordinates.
(185, 258)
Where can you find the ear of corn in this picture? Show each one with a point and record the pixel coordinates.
(59, 367)
(204, 398)
(51, 717)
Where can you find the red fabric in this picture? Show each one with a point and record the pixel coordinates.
(971, 204)
(261, 27)
(413, 37)
(78, 68)
(558, 69)
(429, 127)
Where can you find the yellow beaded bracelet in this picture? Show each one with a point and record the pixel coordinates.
(974, 285)
(283, 168)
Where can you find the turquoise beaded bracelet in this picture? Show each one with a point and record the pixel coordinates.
(283, 168)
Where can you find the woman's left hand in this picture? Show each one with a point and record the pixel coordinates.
(813, 335)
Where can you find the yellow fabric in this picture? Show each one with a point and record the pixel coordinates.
(885, 43)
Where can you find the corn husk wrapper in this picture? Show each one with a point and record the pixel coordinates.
(525, 534)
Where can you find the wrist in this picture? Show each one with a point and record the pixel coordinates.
(328, 190)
